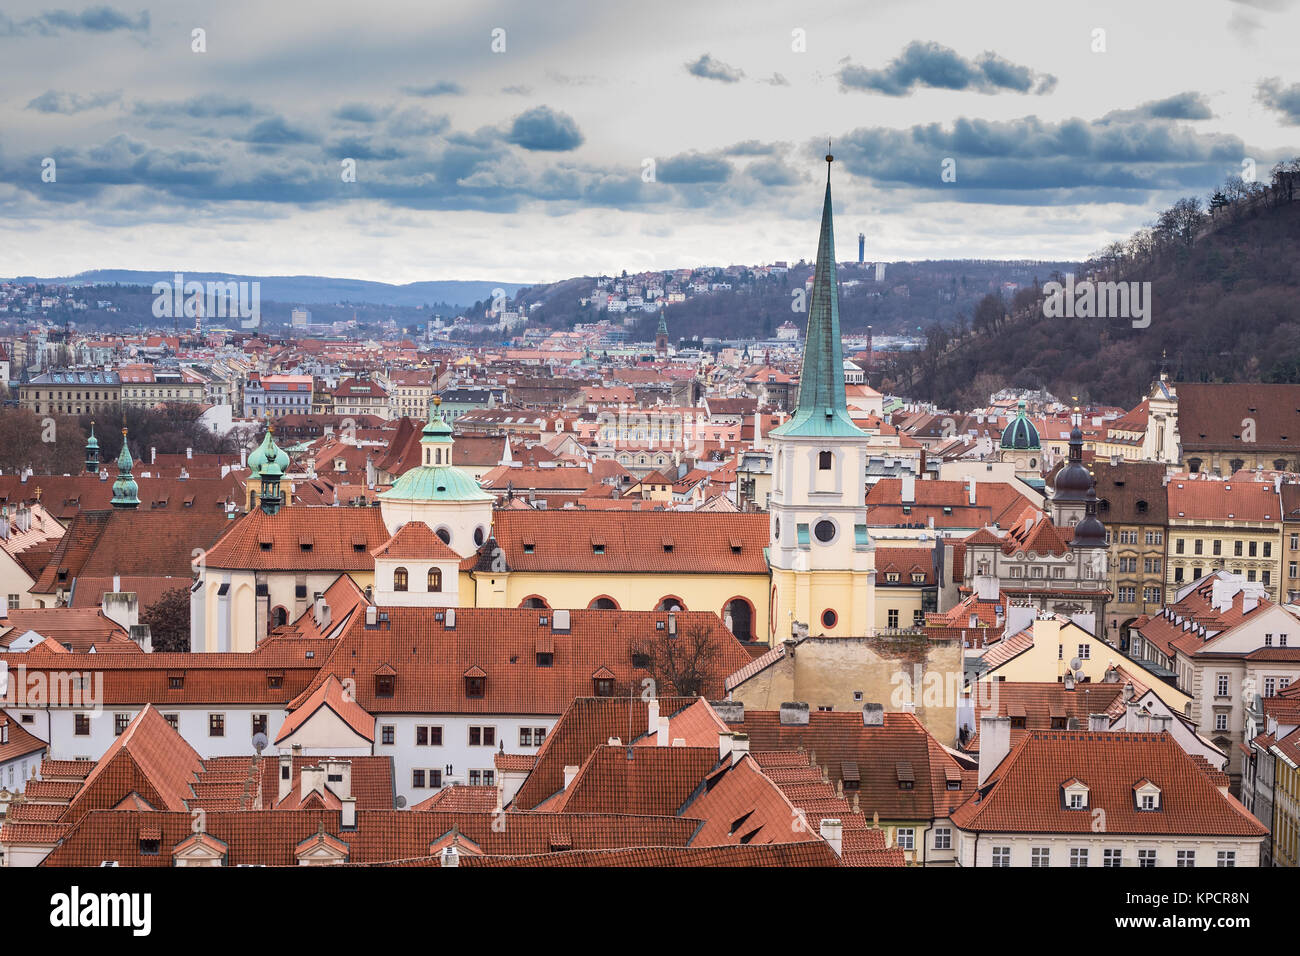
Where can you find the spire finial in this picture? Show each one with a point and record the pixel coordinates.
(829, 158)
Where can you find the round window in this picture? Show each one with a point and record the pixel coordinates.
(825, 530)
(478, 535)
(829, 618)
(445, 535)
(776, 532)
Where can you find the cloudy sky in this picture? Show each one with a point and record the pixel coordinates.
(527, 141)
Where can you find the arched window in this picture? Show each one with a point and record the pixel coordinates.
(435, 579)
(400, 579)
(603, 603)
(279, 617)
(534, 602)
(740, 613)
(671, 603)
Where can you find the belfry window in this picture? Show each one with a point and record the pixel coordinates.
(824, 460)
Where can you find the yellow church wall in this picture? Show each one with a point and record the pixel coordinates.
(804, 597)
(631, 592)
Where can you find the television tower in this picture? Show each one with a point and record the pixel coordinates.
(862, 247)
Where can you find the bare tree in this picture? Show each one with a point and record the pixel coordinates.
(685, 662)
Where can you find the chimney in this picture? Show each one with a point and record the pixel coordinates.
(1098, 722)
(833, 833)
(348, 813)
(652, 716)
(570, 772)
(286, 775)
(739, 746)
(995, 743)
(342, 769)
(1130, 715)
(794, 714)
(189, 453)
(661, 733)
(450, 856)
(311, 779)
(729, 711)
(970, 489)
(873, 715)
(909, 489)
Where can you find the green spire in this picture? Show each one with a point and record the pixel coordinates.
(126, 493)
(663, 323)
(822, 409)
(92, 452)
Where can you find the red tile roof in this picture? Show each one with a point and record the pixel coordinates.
(301, 539)
(1023, 794)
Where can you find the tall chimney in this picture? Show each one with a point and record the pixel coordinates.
(652, 716)
(570, 772)
(995, 744)
(832, 832)
(661, 733)
(286, 775)
(348, 813)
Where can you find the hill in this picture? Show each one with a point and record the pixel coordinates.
(1225, 306)
(310, 290)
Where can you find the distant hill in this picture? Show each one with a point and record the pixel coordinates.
(1225, 307)
(312, 290)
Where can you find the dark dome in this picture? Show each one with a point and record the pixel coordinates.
(1021, 433)
(1089, 532)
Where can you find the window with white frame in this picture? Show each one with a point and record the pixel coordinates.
(1186, 858)
(943, 838)
(1078, 856)
(1040, 856)
(1002, 856)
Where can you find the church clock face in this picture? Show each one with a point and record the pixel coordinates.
(825, 531)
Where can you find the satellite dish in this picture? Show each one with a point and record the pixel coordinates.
(1075, 663)
(401, 802)
(260, 742)
(1079, 675)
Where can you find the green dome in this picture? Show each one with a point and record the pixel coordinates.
(92, 442)
(1021, 433)
(268, 455)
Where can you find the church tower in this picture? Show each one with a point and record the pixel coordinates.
(439, 494)
(661, 336)
(267, 465)
(126, 494)
(92, 452)
(822, 559)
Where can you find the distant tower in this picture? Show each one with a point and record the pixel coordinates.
(661, 336)
(862, 247)
(126, 493)
(92, 452)
(267, 464)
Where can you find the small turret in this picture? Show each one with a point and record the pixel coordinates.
(92, 452)
(126, 493)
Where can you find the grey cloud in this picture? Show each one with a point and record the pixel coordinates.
(931, 65)
(706, 67)
(1181, 106)
(542, 128)
(441, 88)
(206, 106)
(359, 113)
(101, 19)
(1281, 99)
(61, 101)
(692, 168)
(773, 172)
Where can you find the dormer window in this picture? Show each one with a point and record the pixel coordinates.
(475, 686)
(918, 578)
(1074, 793)
(545, 659)
(384, 684)
(1146, 796)
(604, 686)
